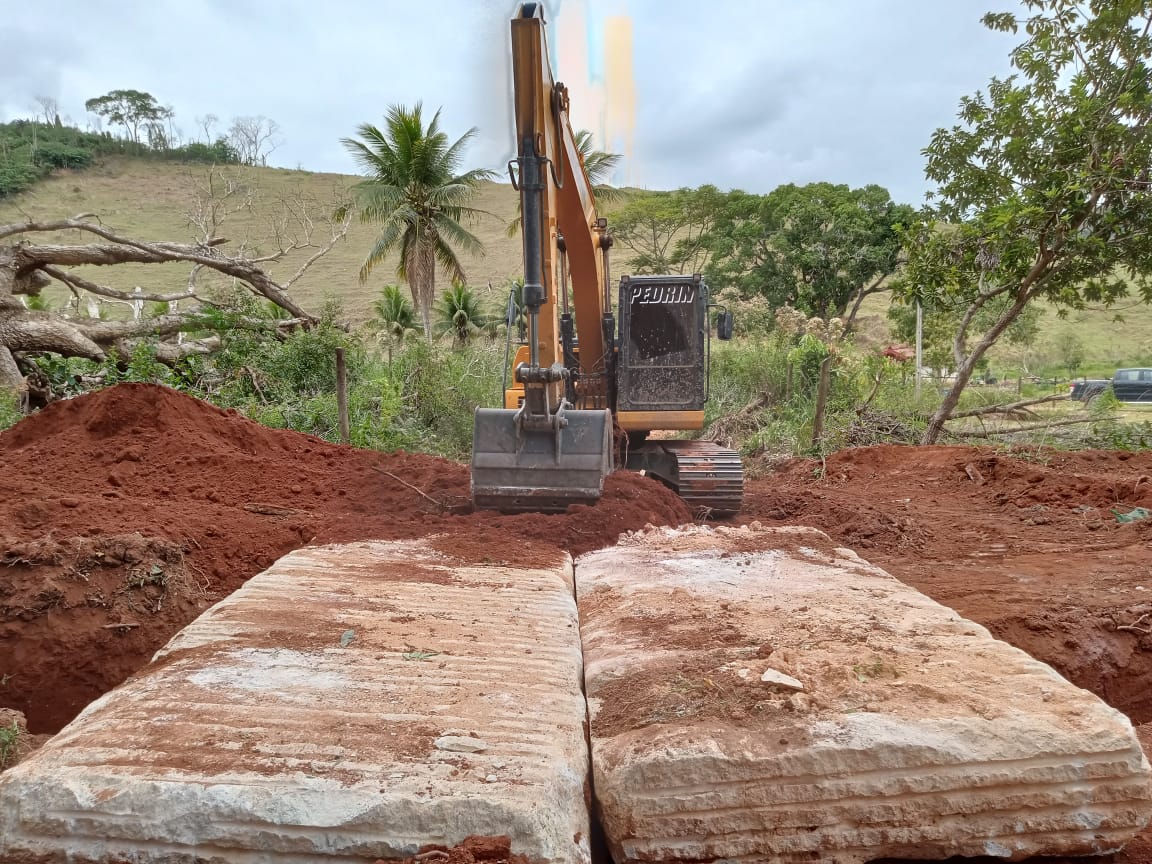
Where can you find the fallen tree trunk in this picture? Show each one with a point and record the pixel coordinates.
(27, 268)
(1014, 408)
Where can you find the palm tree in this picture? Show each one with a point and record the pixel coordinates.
(598, 165)
(414, 192)
(394, 319)
(459, 313)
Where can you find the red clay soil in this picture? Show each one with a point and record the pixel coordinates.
(126, 512)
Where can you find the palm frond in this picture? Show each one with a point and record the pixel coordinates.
(386, 241)
(452, 232)
(450, 263)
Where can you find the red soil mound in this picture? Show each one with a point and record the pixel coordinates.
(125, 512)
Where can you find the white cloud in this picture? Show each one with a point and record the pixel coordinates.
(742, 93)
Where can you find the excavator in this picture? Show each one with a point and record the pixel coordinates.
(586, 387)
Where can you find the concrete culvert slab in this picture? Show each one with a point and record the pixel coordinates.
(759, 694)
(351, 702)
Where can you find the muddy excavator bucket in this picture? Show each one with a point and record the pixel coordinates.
(517, 470)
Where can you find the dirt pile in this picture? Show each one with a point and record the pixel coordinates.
(126, 512)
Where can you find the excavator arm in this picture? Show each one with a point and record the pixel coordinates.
(551, 445)
(543, 133)
(549, 453)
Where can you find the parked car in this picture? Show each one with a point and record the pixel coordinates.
(1129, 385)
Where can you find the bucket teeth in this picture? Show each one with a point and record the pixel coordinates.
(515, 470)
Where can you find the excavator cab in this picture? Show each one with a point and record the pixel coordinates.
(662, 364)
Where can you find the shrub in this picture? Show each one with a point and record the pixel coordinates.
(58, 155)
(15, 176)
(9, 408)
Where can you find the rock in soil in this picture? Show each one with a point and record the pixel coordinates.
(917, 735)
(258, 733)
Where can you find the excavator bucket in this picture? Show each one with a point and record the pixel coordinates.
(515, 470)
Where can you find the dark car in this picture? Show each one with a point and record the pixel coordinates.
(1129, 385)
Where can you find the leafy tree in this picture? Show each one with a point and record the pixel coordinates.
(820, 248)
(1070, 350)
(415, 192)
(666, 231)
(939, 330)
(394, 317)
(459, 312)
(1043, 184)
(598, 165)
(132, 109)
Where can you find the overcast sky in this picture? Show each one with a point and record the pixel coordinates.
(741, 93)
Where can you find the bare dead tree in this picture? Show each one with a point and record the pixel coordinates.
(254, 138)
(207, 122)
(49, 108)
(29, 262)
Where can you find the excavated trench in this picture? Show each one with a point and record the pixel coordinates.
(127, 512)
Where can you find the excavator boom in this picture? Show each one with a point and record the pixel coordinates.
(580, 379)
(546, 453)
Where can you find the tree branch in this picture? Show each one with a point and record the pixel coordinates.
(959, 343)
(10, 377)
(78, 282)
(1013, 408)
(169, 352)
(1029, 428)
(338, 234)
(159, 253)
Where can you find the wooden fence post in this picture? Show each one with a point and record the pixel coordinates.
(821, 400)
(342, 394)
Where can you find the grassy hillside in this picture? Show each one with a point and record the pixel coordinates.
(1120, 336)
(150, 200)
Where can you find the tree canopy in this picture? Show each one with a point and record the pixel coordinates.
(1043, 185)
(820, 248)
(666, 232)
(132, 109)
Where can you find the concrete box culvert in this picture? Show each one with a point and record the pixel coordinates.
(351, 702)
(759, 694)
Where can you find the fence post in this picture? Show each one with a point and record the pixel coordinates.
(821, 400)
(342, 394)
